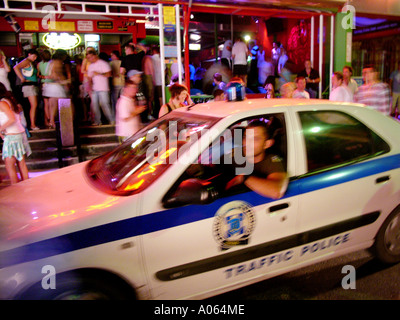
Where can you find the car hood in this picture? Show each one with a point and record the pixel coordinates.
(52, 204)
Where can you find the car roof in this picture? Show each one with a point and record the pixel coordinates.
(223, 109)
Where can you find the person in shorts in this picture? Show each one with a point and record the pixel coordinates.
(240, 52)
(27, 73)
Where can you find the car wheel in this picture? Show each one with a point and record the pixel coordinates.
(387, 242)
(81, 287)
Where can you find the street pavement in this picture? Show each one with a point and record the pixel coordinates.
(323, 281)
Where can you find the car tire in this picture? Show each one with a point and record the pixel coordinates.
(387, 243)
(75, 286)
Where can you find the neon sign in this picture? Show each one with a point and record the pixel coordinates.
(64, 41)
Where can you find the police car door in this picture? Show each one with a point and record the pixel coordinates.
(338, 184)
(205, 248)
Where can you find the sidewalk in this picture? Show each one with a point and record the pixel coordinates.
(5, 181)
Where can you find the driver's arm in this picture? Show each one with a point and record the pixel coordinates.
(273, 186)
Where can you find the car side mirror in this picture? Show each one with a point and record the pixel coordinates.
(191, 191)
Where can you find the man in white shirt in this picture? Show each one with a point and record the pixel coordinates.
(98, 72)
(127, 112)
(300, 92)
(348, 81)
(340, 92)
(239, 58)
(226, 54)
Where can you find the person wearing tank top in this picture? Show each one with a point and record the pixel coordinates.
(15, 144)
(43, 75)
(27, 73)
(180, 97)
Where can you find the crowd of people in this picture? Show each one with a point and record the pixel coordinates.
(127, 91)
(271, 73)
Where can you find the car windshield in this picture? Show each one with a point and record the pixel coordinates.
(142, 158)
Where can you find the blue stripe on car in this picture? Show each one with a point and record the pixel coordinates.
(165, 219)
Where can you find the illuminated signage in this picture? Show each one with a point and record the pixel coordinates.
(194, 46)
(61, 41)
(92, 37)
(105, 25)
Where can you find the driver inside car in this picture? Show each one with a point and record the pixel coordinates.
(262, 171)
(267, 177)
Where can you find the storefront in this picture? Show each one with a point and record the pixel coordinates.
(24, 25)
(71, 35)
(376, 42)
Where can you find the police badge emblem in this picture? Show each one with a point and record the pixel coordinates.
(234, 222)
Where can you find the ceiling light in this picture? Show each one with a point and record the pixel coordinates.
(195, 37)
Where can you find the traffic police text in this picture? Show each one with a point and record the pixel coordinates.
(286, 256)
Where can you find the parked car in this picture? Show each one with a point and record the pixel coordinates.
(153, 220)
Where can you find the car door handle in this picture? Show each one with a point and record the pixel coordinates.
(382, 179)
(278, 207)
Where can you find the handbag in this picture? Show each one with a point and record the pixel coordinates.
(27, 72)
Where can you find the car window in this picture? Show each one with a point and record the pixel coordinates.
(142, 158)
(214, 167)
(335, 138)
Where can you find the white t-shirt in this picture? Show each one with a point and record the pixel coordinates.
(226, 53)
(100, 82)
(341, 93)
(301, 94)
(125, 107)
(157, 69)
(239, 51)
(353, 86)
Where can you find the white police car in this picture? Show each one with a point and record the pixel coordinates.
(149, 221)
